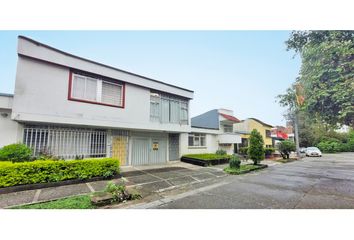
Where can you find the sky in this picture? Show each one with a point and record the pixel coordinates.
(242, 71)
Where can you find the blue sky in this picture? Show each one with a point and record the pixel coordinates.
(239, 70)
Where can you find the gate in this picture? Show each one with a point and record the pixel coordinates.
(173, 148)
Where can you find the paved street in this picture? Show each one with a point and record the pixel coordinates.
(326, 182)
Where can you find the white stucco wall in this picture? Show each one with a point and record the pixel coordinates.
(37, 50)
(211, 145)
(41, 95)
(10, 131)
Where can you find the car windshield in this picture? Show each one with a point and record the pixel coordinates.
(312, 148)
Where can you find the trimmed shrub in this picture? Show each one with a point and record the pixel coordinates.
(285, 148)
(234, 162)
(206, 156)
(12, 174)
(269, 151)
(331, 146)
(16, 152)
(220, 152)
(243, 150)
(256, 149)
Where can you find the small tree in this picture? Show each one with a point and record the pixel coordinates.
(285, 148)
(256, 149)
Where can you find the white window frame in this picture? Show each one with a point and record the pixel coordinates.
(98, 90)
(228, 127)
(197, 137)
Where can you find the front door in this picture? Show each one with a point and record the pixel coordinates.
(173, 148)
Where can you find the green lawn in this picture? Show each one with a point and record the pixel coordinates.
(207, 156)
(243, 169)
(76, 202)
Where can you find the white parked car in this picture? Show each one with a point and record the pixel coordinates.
(302, 150)
(313, 151)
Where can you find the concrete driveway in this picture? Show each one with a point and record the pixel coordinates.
(326, 182)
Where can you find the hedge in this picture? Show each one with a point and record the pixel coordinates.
(44, 171)
(207, 156)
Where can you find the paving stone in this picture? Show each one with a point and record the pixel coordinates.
(99, 185)
(203, 176)
(142, 179)
(167, 175)
(63, 191)
(182, 180)
(151, 188)
(17, 198)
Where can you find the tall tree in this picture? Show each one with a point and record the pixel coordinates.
(326, 74)
(256, 149)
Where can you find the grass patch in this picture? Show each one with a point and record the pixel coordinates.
(76, 202)
(244, 169)
(207, 156)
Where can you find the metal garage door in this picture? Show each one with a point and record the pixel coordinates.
(158, 153)
(148, 150)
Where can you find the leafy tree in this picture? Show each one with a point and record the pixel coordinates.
(256, 149)
(327, 74)
(285, 148)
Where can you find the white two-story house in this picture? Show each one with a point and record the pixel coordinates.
(68, 106)
(210, 132)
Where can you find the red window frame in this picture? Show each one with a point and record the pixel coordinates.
(70, 98)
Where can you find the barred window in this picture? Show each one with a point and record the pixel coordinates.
(67, 143)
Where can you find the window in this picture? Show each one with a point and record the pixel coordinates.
(166, 108)
(268, 133)
(67, 143)
(95, 90)
(228, 128)
(196, 140)
(244, 142)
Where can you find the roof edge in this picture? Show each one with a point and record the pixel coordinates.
(6, 95)
(101, 64)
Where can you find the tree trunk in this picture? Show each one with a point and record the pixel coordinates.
(297, 142)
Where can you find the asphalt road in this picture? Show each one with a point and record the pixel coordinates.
(323, 182)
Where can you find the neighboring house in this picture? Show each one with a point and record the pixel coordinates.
(71, 107)
(246, 126)
(280, 133)
(211, 131)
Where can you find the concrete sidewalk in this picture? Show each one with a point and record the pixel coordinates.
(148, 180)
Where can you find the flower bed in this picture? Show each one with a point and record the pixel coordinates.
(47, 171)
(206, 159)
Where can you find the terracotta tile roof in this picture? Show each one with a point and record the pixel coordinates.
(229, 117)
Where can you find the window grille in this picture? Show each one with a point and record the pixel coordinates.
(67, 143)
